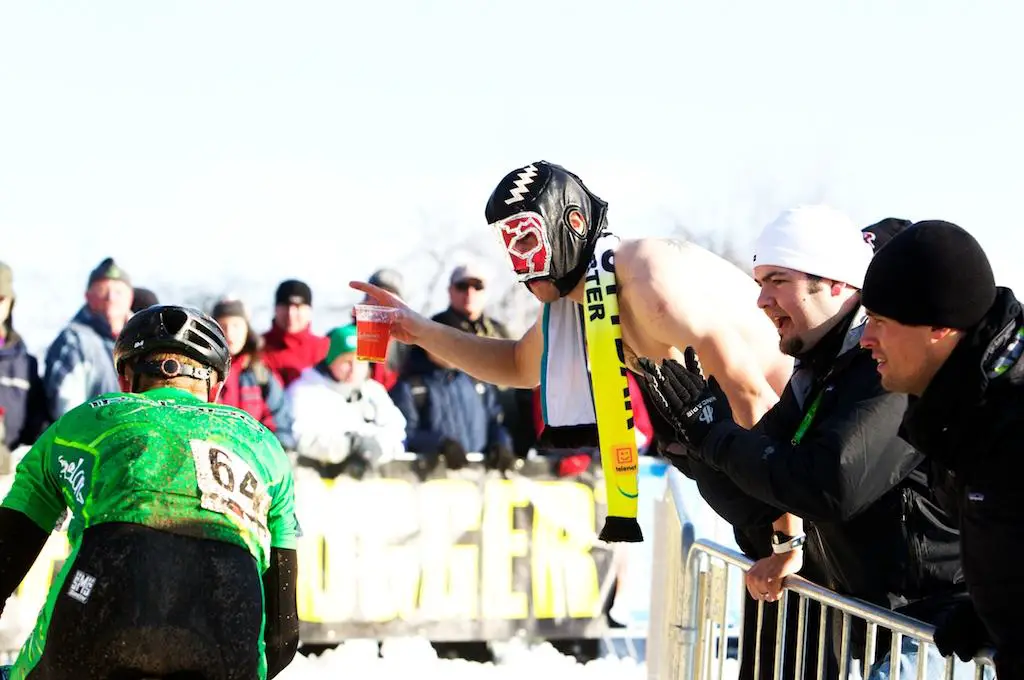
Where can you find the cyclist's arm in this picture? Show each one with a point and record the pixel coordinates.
(21, 540)
(28, 514)
(281, 633)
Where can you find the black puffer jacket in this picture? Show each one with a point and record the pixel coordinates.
(971, 420)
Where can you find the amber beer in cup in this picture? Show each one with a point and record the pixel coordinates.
(373, 332)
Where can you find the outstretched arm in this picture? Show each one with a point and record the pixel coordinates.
(511, 363)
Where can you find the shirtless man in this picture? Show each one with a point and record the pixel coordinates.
(672, 295)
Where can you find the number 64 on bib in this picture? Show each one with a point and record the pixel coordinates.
(228, 485)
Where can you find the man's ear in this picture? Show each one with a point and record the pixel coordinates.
(577, 222)
(124, 382)
(215, 390)
(936, 334)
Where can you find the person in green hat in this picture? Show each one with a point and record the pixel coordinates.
(344, 421)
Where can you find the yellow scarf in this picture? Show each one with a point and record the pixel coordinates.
(612, 405)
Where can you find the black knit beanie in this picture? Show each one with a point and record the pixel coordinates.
(229, 307)
(932, 273)
(293, 292)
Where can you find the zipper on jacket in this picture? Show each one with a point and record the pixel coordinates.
(915, 553)
(826, 559)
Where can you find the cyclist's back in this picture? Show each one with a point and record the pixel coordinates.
(182, 515)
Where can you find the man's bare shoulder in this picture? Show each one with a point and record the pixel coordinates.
(654, 259)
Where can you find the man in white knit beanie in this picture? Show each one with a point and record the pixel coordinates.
(810, 264)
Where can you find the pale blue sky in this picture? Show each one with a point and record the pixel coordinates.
(307, 133)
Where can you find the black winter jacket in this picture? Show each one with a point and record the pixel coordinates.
(875, 529)
(22, 396)
(971, 420)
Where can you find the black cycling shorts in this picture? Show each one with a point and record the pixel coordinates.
(141, 603)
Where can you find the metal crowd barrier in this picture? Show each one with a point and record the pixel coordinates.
(696, 621)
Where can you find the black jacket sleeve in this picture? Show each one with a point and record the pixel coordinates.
(849, 457)
(21, 541)
(732, 504)
(725, 498)
(281, 634)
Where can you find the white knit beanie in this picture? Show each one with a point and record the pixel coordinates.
(817, 240)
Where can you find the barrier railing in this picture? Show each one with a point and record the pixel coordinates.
(696, 632)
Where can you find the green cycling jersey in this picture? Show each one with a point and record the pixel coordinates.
(164, 459)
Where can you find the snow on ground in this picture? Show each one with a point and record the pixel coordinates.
(416, 658)
(358, 659)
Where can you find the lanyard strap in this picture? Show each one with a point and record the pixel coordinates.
(808, 418)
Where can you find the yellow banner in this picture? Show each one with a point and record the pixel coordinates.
(465, 556)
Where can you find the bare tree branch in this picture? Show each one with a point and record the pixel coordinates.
(725, 245)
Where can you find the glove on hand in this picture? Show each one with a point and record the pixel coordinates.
(683, 399)
(961, 632)
(454, 454)
(501, 458)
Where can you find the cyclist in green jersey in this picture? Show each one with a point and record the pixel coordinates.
(183, 530)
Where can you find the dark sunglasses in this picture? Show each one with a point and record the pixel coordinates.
(466, 285)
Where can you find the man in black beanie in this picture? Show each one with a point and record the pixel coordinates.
(942, 331)
(291, 346)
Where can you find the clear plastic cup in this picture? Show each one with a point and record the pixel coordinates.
(373, 331)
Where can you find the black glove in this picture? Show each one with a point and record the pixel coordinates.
(666, 441)
(454, 454)
(682, 397)
(961, 631)
(500, 457)
(355, 466)
(425, 464)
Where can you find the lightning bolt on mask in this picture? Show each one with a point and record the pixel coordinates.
(548, 222)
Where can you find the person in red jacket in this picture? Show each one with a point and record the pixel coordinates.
(290, 346)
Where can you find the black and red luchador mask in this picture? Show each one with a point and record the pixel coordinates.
(526, 241)
(548, 222)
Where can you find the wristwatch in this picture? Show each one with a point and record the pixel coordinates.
(781, 543)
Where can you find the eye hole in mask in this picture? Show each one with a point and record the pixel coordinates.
(525, 245)
(524, 238)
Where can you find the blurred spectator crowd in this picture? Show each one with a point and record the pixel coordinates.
(332, 412)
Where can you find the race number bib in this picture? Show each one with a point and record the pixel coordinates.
(228, 485)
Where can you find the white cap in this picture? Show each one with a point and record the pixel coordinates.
(816, 240)
(470, 271)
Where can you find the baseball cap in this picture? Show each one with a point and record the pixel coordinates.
(470, 271)
(108, 270)
(880, 233)
(388, 279)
